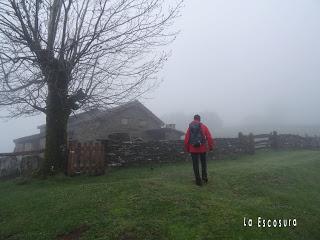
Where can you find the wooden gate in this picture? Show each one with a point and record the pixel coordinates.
(261, 141)
(87, 158)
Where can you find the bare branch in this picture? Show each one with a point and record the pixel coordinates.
(94, 53)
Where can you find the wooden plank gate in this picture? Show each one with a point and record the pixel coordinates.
(261, 141)
(86, 158)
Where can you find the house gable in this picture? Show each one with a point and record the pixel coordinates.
(132, 118)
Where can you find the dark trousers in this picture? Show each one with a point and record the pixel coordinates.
(195, 161)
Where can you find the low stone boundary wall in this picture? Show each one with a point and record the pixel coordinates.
(139, 153)
(17, 164)
(84, 158)
(290, 141)
(133, 153)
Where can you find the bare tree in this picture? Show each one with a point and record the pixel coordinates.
(59, 56)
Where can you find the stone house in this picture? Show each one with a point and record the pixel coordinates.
(131, 121)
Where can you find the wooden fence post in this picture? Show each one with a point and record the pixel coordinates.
(274, 140)
(100, 158)
(95, 158)
(251, 144)
(78, 158)
(71, 158)
(242, 142)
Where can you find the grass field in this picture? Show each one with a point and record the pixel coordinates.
(164, 203)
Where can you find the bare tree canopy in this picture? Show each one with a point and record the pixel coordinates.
(57, 56)
(106, 49)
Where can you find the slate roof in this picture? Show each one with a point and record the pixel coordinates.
(28, 138)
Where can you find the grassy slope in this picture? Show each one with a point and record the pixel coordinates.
(140, 203)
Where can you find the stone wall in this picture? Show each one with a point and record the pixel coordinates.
(290, 141)
(13, 165)
(30, 143)
(129, 120)
(122, 153)
(119, 151)
(226, 146)
(138, 152)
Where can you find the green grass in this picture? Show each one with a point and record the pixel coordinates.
(164, 203)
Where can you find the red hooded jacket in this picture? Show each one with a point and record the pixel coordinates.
(204, 147)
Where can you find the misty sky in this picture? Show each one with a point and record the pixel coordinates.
(249, 59)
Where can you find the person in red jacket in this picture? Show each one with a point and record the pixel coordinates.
(197, 142)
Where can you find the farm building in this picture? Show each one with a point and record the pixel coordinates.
(130, 121)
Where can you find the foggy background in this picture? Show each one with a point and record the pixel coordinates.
(250, 66)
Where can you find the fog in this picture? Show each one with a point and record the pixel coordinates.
(254, 65)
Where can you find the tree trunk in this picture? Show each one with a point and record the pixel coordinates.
(57, 114)
(56, 142)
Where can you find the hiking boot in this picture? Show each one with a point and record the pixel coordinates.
(199, 182)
